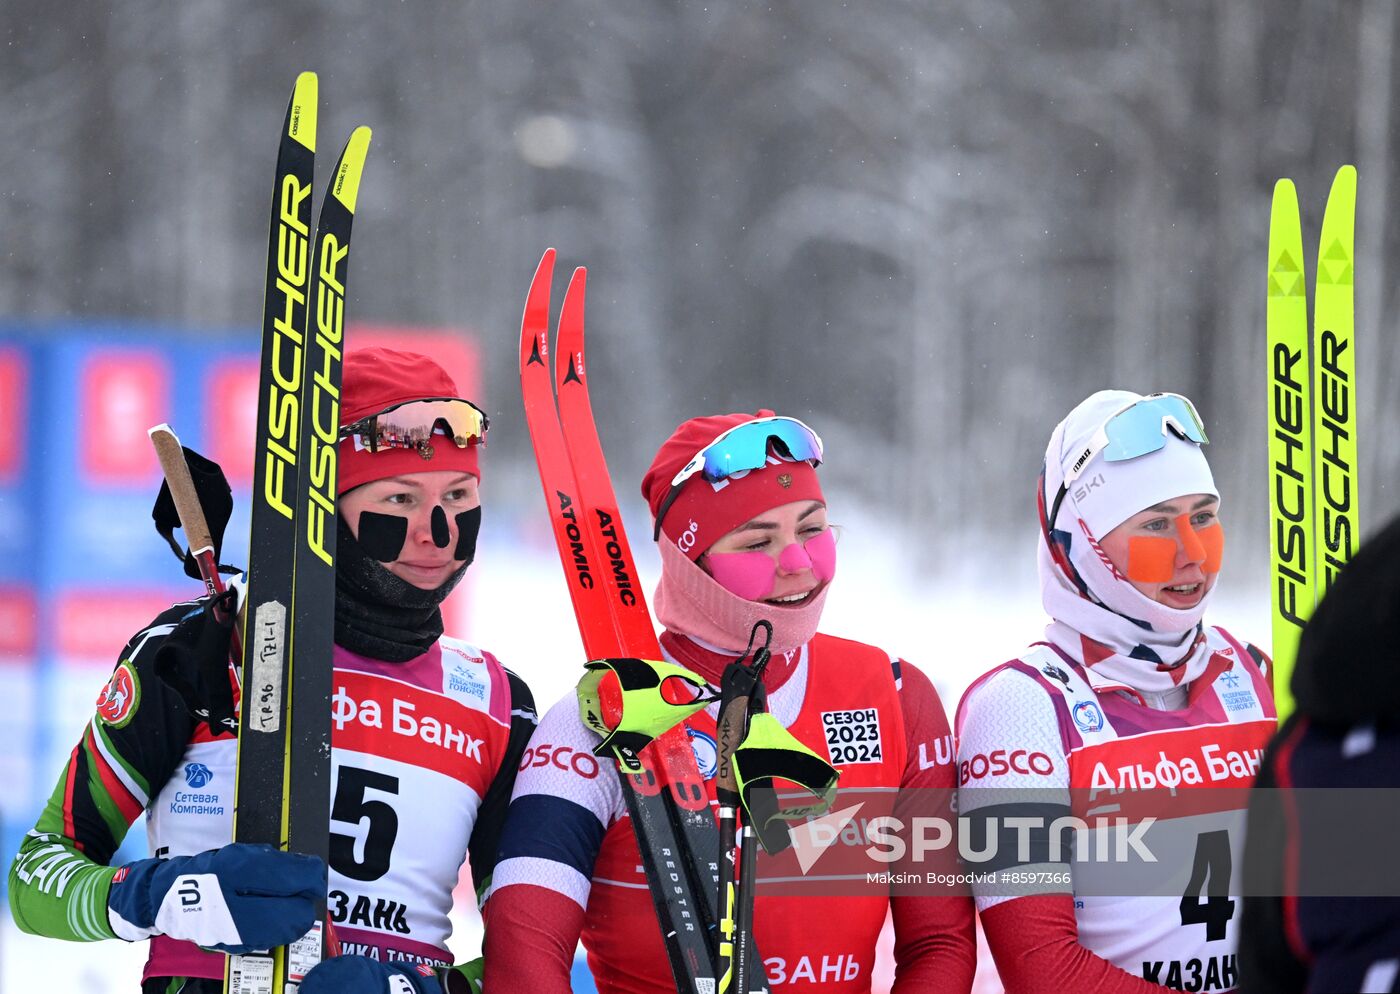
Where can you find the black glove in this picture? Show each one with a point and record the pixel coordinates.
(216, 500)
(193, 661)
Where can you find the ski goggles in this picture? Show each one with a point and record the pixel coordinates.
(1137, 430)
(412, 424)
(745, 447)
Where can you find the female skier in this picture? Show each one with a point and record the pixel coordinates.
(754, 544)
(1128, 689)
(406, 808)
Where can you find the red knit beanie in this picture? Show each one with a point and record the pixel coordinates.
(712, 510)
(378, 378)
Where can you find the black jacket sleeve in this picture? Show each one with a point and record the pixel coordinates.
(484, 844)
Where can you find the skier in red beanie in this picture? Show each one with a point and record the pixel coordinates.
(406, 809)
(741, 523)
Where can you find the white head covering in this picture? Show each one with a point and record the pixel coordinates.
(1131, 639)
(1106, 494)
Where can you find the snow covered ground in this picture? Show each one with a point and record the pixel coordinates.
(951, 626)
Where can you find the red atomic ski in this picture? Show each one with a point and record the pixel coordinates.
(667, 801)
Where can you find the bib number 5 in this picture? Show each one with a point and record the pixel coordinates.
(377, 818)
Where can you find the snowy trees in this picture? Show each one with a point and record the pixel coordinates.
(926, 227)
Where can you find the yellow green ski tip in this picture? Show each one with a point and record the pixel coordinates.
(1334, 260)
(1285, 256)
(301, 122)
(352, 164)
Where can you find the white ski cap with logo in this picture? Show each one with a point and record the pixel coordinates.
(1108, 493)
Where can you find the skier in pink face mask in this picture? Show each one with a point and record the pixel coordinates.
(741, 523)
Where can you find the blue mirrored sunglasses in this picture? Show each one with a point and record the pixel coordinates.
(745, 447)
(1137, 430)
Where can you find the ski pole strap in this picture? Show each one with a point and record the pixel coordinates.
(633, 711)
(770, 752)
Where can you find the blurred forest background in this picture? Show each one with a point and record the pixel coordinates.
(928, 228)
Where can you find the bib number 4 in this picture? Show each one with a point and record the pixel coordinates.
(1212, 861)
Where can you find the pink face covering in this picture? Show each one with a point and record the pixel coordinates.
(690, 602)
(754, 575)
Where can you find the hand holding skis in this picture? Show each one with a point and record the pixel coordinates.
(233, 900)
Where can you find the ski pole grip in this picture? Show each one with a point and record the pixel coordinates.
(182, 491)
(177, 476)
(730, 730)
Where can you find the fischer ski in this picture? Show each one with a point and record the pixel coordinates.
(313, 614)
(313, 621)
(1313, 493)
(676, 833)
(284, 750)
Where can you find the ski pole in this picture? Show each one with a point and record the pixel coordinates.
(177, 476)
(748, 860)
(743, 926)
(737, 691)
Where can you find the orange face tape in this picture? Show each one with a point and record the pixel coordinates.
(1213, 539)
(1151, 559)
(1190, 542)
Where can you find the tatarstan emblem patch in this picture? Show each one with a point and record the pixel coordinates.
(117, 702)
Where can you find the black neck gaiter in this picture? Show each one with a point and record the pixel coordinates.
(379, 615)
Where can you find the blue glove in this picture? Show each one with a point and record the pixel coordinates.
(362, 975)
(233, 900)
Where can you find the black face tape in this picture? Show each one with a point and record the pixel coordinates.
(441, 536)
(468, 524)
(382, 535)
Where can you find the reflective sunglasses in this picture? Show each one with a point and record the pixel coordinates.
(1137, 430)
(745, 447)
(412, 424)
